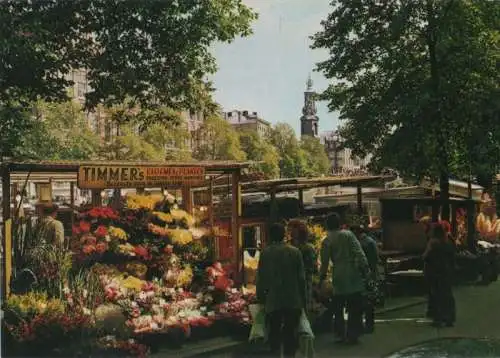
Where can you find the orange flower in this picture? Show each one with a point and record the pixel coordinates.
(88, 249)
(101, 247)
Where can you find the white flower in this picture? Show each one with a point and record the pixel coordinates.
(86, 311)
(181, 290)
(107, 238)
(66, 290)
(142, 295)
(85, 293)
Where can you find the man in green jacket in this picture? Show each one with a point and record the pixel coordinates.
(350, 271)
(281, 288)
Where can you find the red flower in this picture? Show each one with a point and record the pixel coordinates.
(101, 247)
(222, 283)
(446, 226)
(143, 252)
(84, 226)
(88, 249)
(101, 231)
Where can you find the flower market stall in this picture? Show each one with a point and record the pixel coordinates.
(135, 271)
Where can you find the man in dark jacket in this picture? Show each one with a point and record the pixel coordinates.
(281, 288)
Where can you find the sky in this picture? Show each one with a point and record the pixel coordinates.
(267, 72)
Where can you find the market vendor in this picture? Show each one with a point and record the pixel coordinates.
(49, 230)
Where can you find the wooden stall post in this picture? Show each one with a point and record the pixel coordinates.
(96, 197)
(274, 207)
(301, 200)
(454, 225)
(7, 234)
(235, 223)
(187, 198)
(359, 197)
(471, 226)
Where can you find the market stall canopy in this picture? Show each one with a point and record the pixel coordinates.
(67, 171)
(457, 188)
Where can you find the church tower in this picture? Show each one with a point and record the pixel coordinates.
(309, 119)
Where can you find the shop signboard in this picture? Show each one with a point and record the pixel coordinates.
(137, 176)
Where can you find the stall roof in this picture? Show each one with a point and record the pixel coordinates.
(52, 167)
(293, 184)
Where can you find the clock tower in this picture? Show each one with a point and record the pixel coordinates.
(309, 119)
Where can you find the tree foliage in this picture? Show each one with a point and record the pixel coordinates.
(217, 140)
(172, 138)
(416, 82)
(317, 162)
(57, 131)
(258, 149)
(149, 52)
(292, 157)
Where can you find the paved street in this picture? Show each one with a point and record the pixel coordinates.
(477, 314)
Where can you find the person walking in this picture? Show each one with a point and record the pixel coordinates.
(350, 269)
(281, 288)
(369, 246)
(440, 262)
(300, 239)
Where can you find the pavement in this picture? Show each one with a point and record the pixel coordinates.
(402, 325)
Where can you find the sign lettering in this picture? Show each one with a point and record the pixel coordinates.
(115, 177)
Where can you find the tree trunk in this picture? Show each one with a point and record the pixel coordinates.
(444, 188)
(437, 124)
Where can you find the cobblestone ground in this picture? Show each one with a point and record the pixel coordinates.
(478, 316)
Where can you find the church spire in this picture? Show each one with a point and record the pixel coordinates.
(309, 119)
(309, 83)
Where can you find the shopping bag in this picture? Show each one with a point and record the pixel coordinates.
(306, 337)
(305, 326)
(258, 330)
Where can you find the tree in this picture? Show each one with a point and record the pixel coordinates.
(172, 138)
(259, 150)
(129, 145)
(152, 52)
(217, 140)
(57, 131)
(315, 155)
(292, 157)
(412, 80)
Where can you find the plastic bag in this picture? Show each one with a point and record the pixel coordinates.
(258, 330)
(305, 326)
(306, 337)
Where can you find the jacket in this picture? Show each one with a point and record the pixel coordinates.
(350, 266)
(281, 282)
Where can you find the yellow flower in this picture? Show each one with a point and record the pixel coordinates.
(117, 233)
(126, 248)
(179, 215)
(185, 277)
(137, 202)
(166, 218)
(133, 283)
(180, 236)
